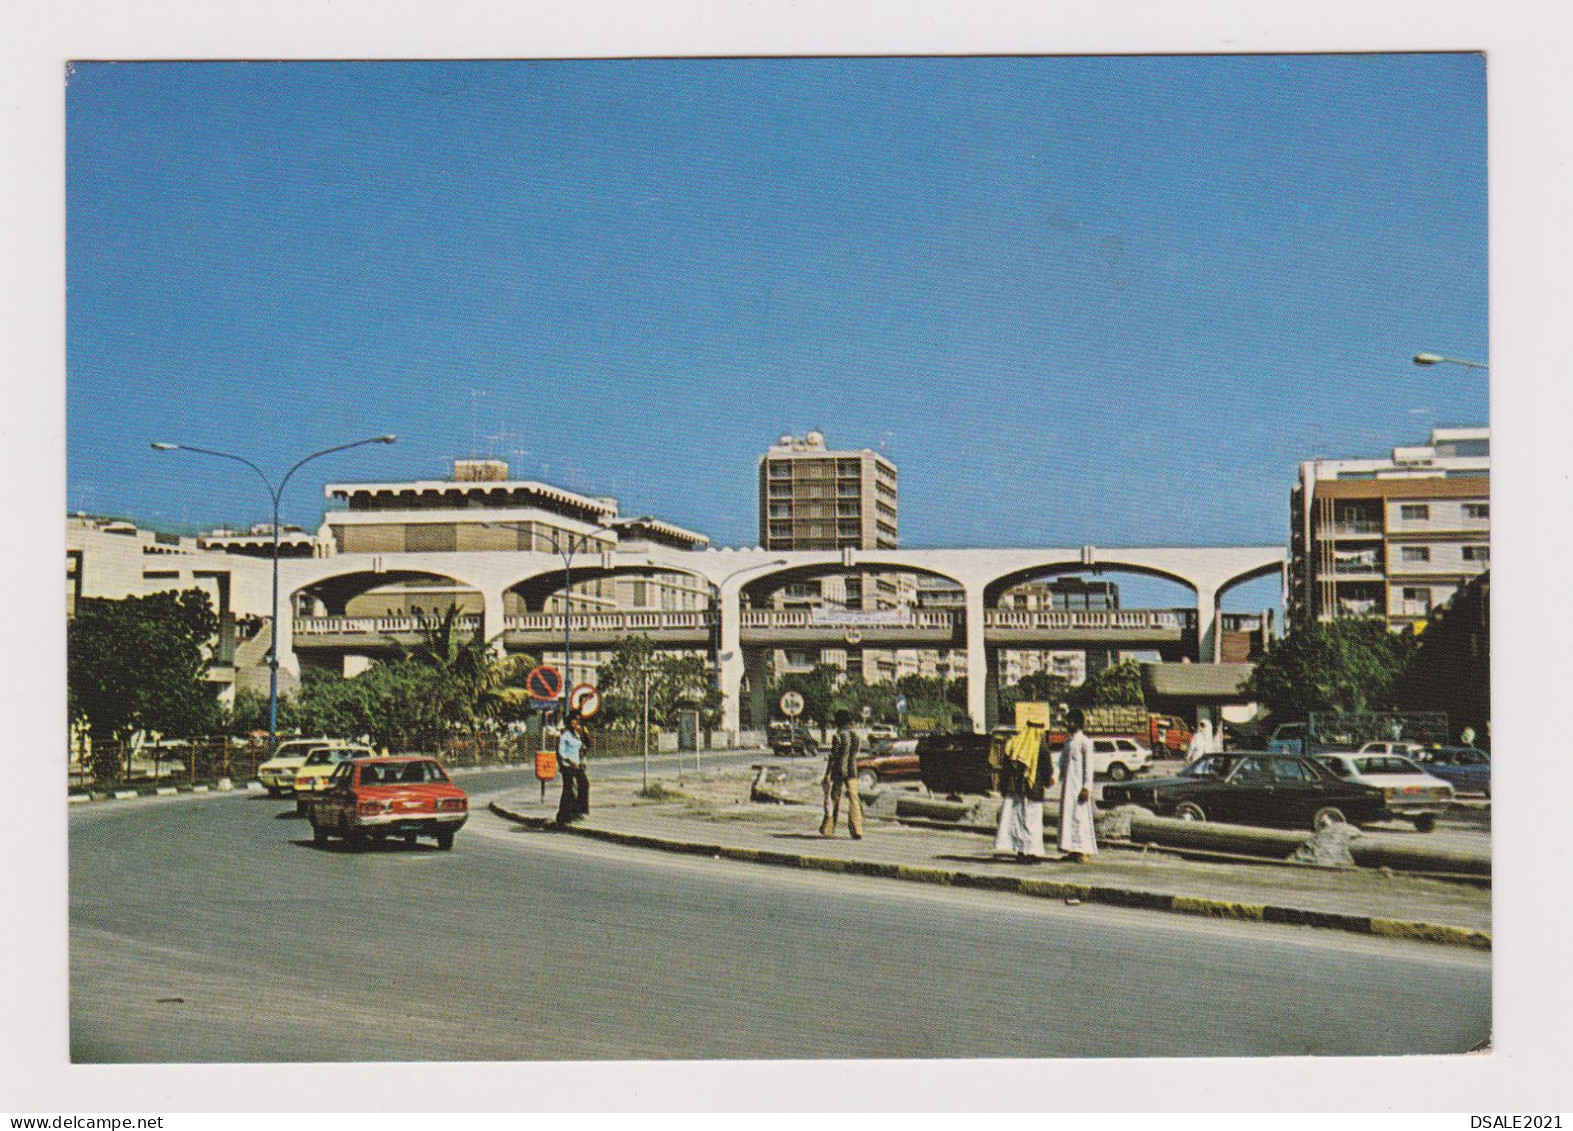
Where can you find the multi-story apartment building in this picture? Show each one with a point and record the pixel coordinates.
(814, 498)
(1391, 538)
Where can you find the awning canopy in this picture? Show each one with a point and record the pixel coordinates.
(1197, 683)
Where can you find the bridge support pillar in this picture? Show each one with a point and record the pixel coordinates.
(1209, 640)
(492, 620)
(991, 695)
(284, 638)
(977, 660)
(729, 661)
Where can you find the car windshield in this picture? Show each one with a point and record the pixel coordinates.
(328, 757)
(401, 773)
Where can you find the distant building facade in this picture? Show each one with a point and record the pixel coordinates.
(1391, 538)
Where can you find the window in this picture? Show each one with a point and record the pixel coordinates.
(1414, 512)
(1415, 553)
(1477, 553)
(1417, 601)
(1287, 769)
(1477, 510)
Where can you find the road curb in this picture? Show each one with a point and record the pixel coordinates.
(1039, 887)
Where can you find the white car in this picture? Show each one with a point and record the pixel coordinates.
(882, 732)
(1118, 759)
(1410, 792)
(278, 773)
(1402, 749)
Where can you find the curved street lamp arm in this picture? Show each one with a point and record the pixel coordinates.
(266, 483)
(329, 451)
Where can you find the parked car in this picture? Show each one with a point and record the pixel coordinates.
(883, 732)
(277, 774)
(1466, 768)
(312, 777)
(1411, 793)
(1254, 788)
(890, 761)
(958, 762)
(792, 740)
(1119, 759)
(1402, 749)
(376, 798)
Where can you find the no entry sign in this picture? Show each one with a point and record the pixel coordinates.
(544, 682)
(584, 699)
(792, 704)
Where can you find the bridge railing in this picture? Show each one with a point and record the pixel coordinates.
(1119, 620)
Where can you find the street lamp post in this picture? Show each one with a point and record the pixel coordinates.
(275, 494)
(575, 543)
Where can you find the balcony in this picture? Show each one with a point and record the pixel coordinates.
(1352, 528)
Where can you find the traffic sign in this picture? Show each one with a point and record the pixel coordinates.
(585, 699)
(792, 704)
(544, 682)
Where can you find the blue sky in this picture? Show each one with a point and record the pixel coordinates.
(1076, 300)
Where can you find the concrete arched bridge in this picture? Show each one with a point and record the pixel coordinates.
(728, 629)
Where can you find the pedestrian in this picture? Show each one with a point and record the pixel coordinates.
(1021, 789)
(841, 776)
(1078, 838)
(575, 802)
(1201, 742)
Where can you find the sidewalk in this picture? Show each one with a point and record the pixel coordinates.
(711, 815)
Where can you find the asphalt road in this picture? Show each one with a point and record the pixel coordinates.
(210, 929)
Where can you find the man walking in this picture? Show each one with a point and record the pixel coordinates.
(841, 774)
(575, 802)
(1078, 838)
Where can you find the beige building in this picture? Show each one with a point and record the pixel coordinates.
(1391, 538)
(115, 559)
(812, 497)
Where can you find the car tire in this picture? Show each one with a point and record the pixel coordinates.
(357, 840)
(1328, 815)
(1189, 811)
(445, 839)
(868, 781)
(409, 839)
(1119, 772)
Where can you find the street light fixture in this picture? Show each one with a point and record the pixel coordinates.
(1438, 359)
(577, 542)
(275, 494)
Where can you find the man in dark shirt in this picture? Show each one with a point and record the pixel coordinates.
(841, 774)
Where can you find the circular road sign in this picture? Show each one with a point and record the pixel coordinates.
(544, 682)
(585, 699)
(792, 704)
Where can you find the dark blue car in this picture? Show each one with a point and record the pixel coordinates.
(1467, 769)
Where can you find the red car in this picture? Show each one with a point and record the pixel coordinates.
(890, 761)
(406, 797)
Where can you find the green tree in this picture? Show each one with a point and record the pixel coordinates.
(677, 683)
(138, 664)
(466, 683)
(1116, 685)
(1039, 687)
(1340, 665)
(855, 693)
(1451, 667)
(817, 687)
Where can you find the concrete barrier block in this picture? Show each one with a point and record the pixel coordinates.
(125, 794)
(166, 791)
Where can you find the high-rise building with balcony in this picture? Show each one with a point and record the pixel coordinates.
(814, 498)
(1391, 538)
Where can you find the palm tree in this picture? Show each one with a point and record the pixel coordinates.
(474, 680)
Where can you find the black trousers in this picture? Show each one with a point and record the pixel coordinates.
(575, 802)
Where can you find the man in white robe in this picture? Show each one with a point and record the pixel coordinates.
(1021, 795)
(1201, 742)
(1078, 838)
